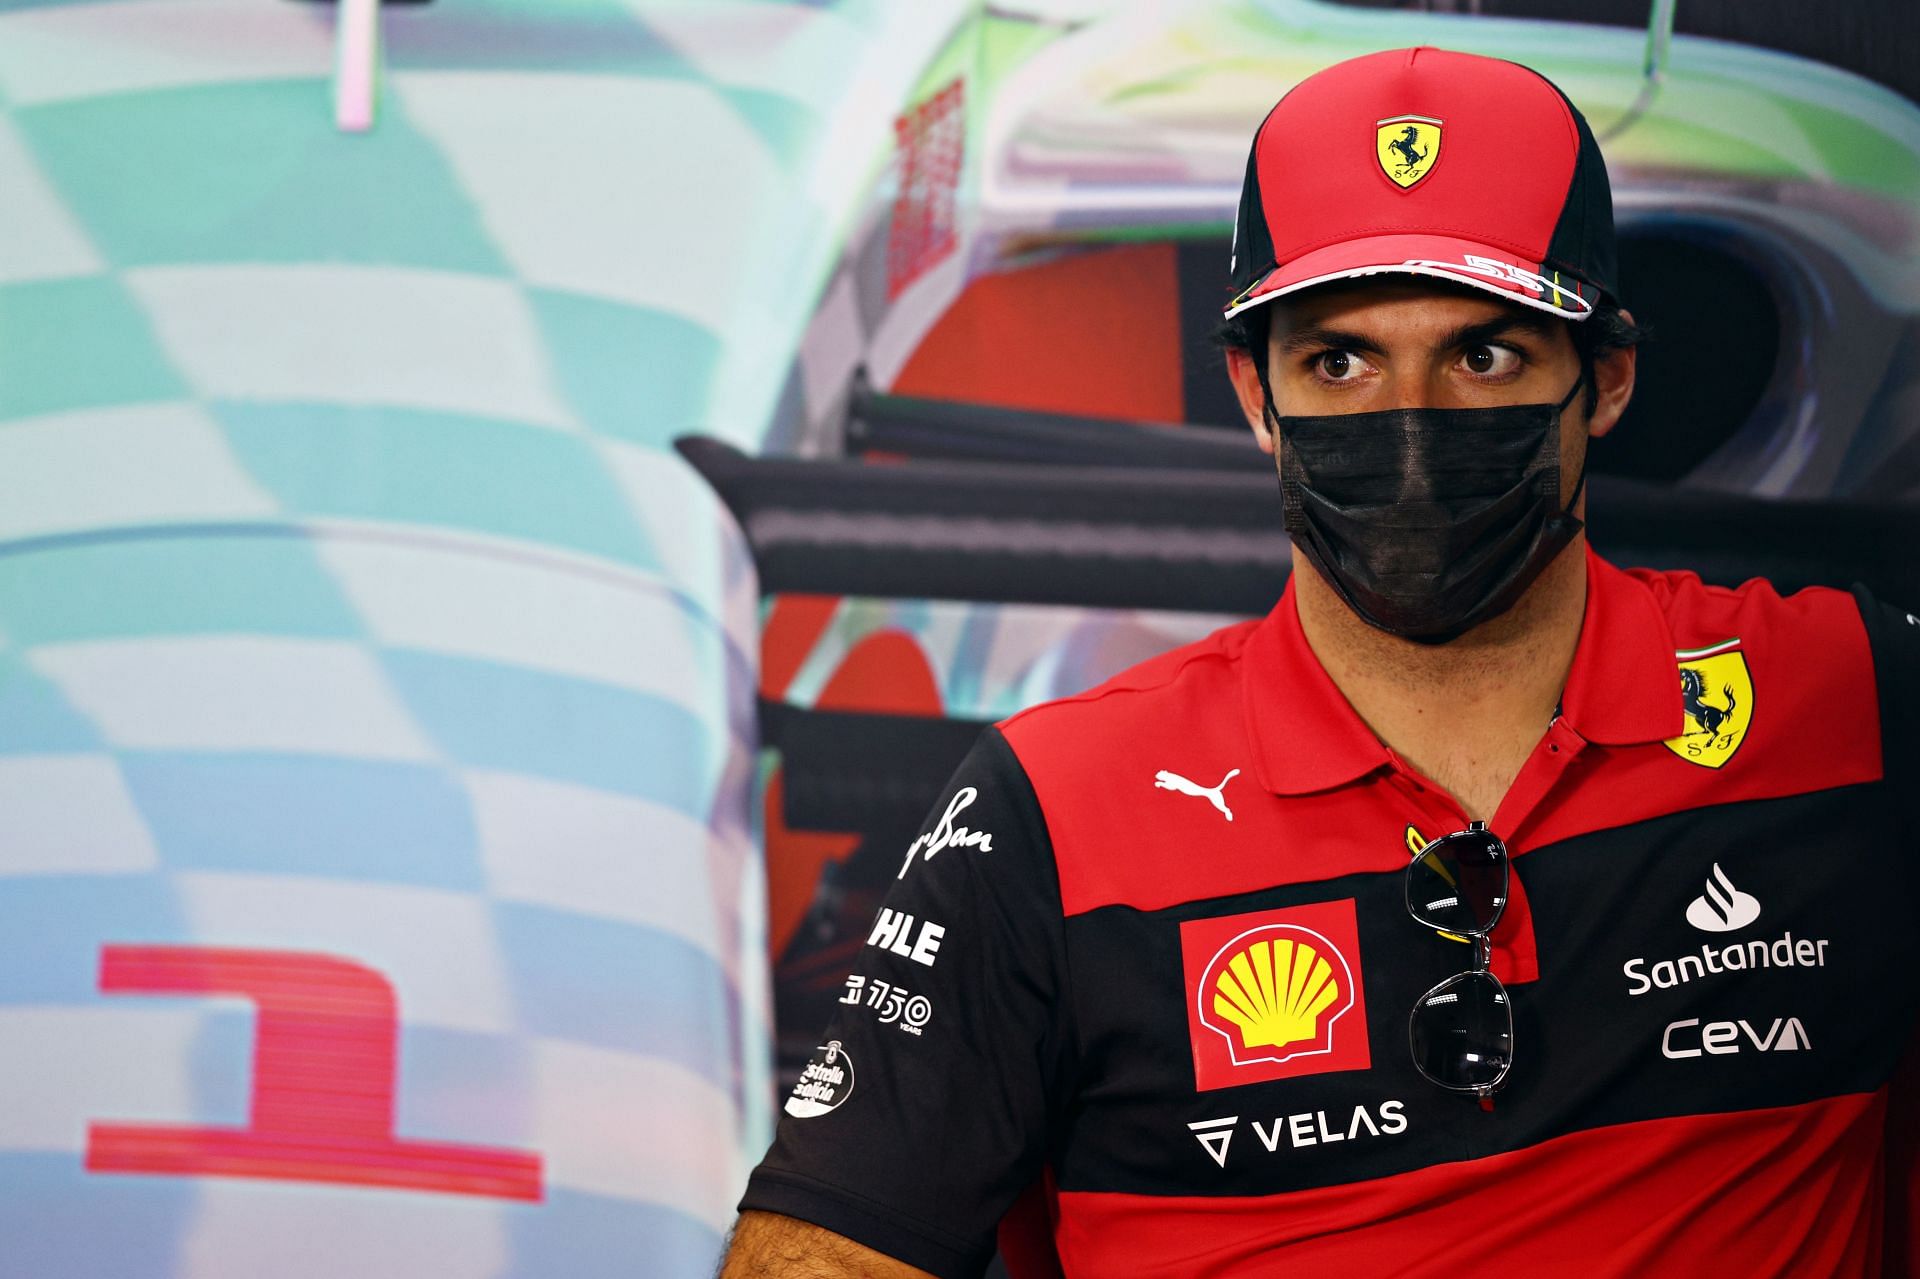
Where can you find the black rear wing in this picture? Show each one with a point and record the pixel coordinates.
(1120, 529)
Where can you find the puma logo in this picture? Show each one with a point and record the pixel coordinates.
(1164, 780)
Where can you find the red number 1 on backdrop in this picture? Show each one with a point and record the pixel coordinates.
(324, 1067)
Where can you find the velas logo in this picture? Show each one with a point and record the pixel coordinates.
(1407, 146)
(1274, 994)
(1216, 1135)
(1716, 691)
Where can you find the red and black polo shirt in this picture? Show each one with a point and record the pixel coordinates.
(1152, 954)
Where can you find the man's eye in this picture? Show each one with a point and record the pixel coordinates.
(1338, 366)
(1491, 361)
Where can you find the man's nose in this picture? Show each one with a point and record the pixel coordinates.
(1413, 391)
(1416, 391)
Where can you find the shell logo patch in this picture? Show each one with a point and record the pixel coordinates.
(1273, 994)
(1407, 146)
(1716, 690)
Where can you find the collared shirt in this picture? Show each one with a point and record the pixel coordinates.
(1152, 956)
(1618, 693)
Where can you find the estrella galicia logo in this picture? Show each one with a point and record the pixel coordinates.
(1722, 908)
(826, 1081)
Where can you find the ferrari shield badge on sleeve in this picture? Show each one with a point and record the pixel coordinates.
(1274, 994)
(1716, 691)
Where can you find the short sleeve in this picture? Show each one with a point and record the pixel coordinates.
(1894, 634)
(926, 1108)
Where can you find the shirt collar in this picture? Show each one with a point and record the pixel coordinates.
(1621, 690)
(1624, 688)
(1306, 735)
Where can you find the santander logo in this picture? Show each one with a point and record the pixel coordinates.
(1722, 908)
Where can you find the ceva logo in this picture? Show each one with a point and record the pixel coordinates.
(1690, 1039)
(1722, 908)
(1274, 994)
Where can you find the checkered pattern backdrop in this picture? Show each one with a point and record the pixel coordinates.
(353, 604)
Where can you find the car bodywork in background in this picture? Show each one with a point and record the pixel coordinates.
(381, 888)
(953, 525)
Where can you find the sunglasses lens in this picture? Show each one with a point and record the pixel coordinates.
(1459, 884)
(1462, 1032)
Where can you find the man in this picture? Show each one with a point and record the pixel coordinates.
(1482, 907)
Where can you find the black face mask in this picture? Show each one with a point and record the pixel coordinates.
(1427, 522)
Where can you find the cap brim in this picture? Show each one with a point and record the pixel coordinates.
(1483, 266)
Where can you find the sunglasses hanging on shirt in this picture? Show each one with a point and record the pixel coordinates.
(1461, 1031)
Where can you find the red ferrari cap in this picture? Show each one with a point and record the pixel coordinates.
(1427, 162)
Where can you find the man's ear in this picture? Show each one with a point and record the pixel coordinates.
(1245, 376)
(1613, 374)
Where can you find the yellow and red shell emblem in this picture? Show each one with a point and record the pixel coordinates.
(1274, 993)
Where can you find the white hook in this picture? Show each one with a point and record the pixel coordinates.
(356, 64)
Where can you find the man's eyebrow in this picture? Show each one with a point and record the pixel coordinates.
(1316, 338)
(1532, 322)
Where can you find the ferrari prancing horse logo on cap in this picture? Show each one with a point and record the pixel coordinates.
(1407, 147)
